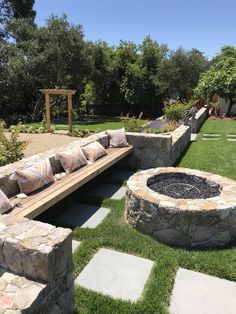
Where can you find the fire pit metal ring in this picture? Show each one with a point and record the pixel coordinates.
(182, 206)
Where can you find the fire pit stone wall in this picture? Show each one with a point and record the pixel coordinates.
(198, 222)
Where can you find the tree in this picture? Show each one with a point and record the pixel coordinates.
(46, 57)
(15, 9)
(180, 72)
(139, 83)
(220, 78)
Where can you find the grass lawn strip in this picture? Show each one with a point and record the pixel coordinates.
(213, 156)
(87, 125)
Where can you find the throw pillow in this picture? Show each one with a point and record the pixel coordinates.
(71, 159)
(117, 138)
(93, 151)
(35, 177)
(5, 203)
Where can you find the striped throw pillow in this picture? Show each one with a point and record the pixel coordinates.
(5, 203)
(71, 159)
(35, 177)
(117, 138)
(93, 151)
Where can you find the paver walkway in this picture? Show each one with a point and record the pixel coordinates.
(82, 215)
(116, 274)
(193, 137)
(75, 245)
(197, 293)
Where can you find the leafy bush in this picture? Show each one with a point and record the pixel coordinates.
(175, 111)
(30, 129)
(132, 124)
(11, 149)
(41, 129)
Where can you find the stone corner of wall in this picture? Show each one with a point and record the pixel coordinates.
(41, 242)
(41, 253)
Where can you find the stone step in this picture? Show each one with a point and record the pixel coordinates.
(211, 135)
(82, 215)
(210, 139)
(119, 275)
(106, 190)
(197, 293)
(193, 137)
(75, 245)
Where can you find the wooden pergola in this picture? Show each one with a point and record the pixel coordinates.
(66, 92)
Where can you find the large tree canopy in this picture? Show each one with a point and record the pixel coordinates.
(14, 9)
(220, 78)
(109, 79)
(180, 72)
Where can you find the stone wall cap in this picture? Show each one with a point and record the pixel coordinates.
(137, 185)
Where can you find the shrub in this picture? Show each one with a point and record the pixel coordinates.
(11, 149)
(41, 129)
(76, 133)
(132, 124)
(175, 111)
(30, 129)
(168, 127)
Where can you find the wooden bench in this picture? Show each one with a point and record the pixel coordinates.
(38, 202)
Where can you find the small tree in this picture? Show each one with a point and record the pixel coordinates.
(220, 78)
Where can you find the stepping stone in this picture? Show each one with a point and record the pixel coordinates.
(231, 135)
(193, 137)
(75, 245)
(105, 190)
(210, 139)
(231, 139)
(211, 135)
(82, 215)
(121, 174)
(119, 275)
(196, 293)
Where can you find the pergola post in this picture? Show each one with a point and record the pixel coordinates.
(48, 116)
(65, 92)
(70, 113)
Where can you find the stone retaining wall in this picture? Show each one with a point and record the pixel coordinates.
(36, 261)
(150, 150)
(157, 150)
(199, 119)
(180, 142)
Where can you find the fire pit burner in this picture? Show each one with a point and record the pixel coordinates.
(181, 185)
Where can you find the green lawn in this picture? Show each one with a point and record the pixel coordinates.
(214, 156)
(88, 125)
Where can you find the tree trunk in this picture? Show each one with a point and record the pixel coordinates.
(231, 102)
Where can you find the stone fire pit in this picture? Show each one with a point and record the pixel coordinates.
(182, 207)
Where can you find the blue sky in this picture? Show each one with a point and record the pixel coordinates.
(203, 24)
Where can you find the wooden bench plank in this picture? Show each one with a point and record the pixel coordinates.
(35, 204)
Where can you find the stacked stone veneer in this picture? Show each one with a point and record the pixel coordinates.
(186, 222)
(158, 150)
(200, 117)
(36, 267)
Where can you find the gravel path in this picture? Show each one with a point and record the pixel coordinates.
(41, 142)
